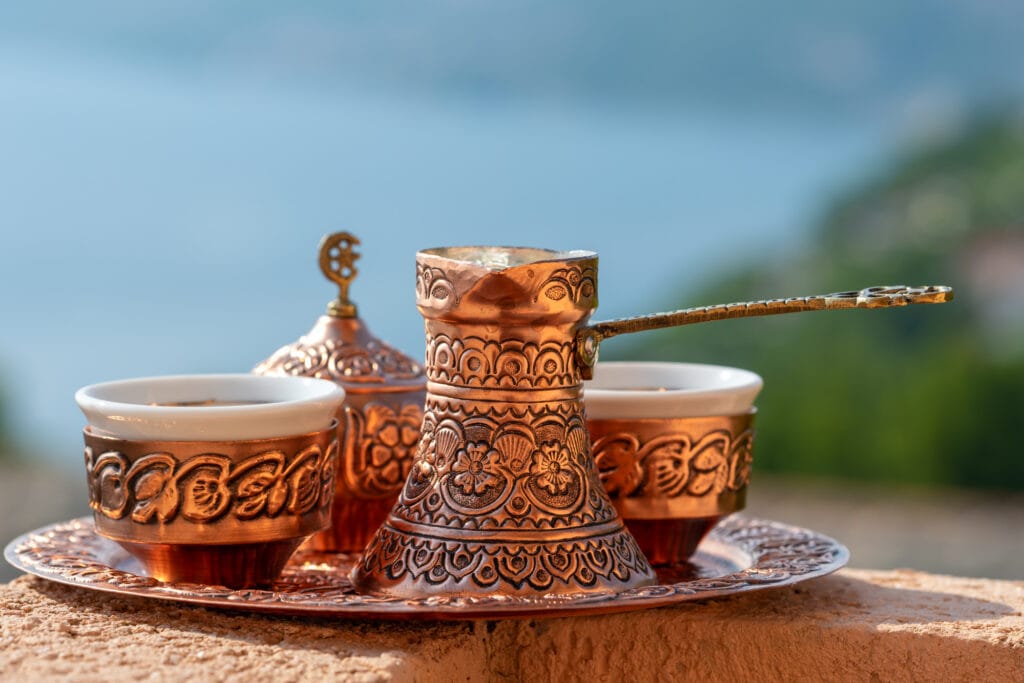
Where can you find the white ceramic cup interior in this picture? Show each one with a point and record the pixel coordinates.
(177, 408)
(631, 390)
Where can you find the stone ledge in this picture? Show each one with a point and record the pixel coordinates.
(855, 625)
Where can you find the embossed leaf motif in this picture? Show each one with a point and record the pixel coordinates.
(305, 481)
(668, 461)
(149, 479)
(709, 465)
(556, 292)
(204, 487)
(277, 497)
(255, 484)
(109, 473)
(168, 501)
(328, 472)
(741, 460)
(307, 488)
(253, 491)
(150, 484)
(618, 463)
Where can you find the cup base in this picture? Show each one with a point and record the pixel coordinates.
(670, 541)
(242, 565)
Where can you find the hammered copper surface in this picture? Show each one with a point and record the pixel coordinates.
(384, 392)
(738, 556)
(227, 512)
(503, 498)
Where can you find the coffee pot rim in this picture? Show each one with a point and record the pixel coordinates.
(496, 257)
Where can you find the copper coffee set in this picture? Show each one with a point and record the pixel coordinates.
(476, 476)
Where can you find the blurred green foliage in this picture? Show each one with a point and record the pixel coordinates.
(924, 394)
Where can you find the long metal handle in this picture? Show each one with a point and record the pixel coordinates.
(589, 338)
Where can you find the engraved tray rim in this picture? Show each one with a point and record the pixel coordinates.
(777, 554)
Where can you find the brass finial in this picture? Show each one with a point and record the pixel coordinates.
(338, 263)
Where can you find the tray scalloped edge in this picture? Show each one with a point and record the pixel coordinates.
(72, 553)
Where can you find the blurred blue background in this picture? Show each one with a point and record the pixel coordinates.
(167, 168)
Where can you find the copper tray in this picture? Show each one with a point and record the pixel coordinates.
(739, 555)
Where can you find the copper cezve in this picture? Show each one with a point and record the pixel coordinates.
(503, 497)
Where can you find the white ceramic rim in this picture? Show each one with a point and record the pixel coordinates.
(294, 405)
(690, 390)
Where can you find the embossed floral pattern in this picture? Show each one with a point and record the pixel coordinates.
(473, 470)
(331, 359)
(552, 465)
(540, 487)
(391, 439)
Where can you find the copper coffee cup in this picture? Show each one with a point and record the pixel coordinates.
(673, 446)
(211, 479)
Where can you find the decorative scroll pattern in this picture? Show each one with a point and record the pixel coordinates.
(569, 287)
(475, 362)
(574, 283)
(316, 584)
(376, 363)
(676, 464)
(538, 566)
(380, 443)
(434, 287)
(158, 487)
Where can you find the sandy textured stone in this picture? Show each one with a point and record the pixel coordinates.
(49, 631)
(857, 625)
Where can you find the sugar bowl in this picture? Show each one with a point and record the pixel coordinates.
(383, 409)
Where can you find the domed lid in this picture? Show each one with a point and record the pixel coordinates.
(340, 347)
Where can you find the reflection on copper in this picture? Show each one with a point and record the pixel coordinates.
(215, 512)
(673, 479)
